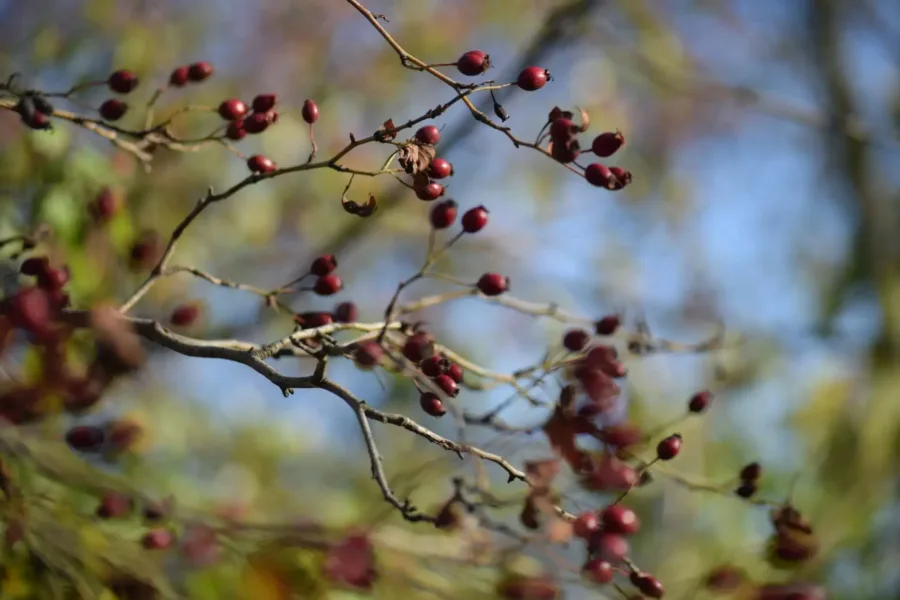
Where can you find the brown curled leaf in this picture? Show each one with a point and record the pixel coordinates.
(415, 158)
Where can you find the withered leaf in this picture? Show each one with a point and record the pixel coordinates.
(360, 210)
(585, 120)
(541, 473)
(415, 158)
(386, 133)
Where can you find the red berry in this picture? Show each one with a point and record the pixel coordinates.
(533, 78)
(622, 175)
(428, 134)
(493, 284)
(432, 404)
(565, 152)
(328, 285)
(236, 131)
(114, 506)
(576, 339)
(751, 472)
(260, 164)
(433, 366)
(586, 524)
(669, 448)
(346, 312)
(446, 383)
(232, 109)
(368, 354)
(158, 539)
(85, 438)
(620, 519)
(455, 372)
(264, 102)
(622, 435)
(724, 578)
(200, 71)
(609, 546)
(700, 401)
(184, 315)
(598, 571)
(475, 219)
(440, 168)
(607, 325)
(256, 123)
(746, 489)
(323, 265)
(418, 347)
(607, 144)
(311, 320)
(179, 77)
(473, 63)
(443, 214)
(599, 175)
(113, 109)
(561, 130)
(53, 279)
(648, 585)
(30, 309)
(146, 250)
(122, 81)
(310, 111)
(36, 120)
(105, 205)
(34, 266)
(430, 192)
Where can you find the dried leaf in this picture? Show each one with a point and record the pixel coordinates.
(585, 120)
(415, 158)
(541, 473)
(385, 134)
(360, 210)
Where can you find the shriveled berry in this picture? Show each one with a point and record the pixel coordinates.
(561, 130)
(158, 539)
(260, 164)
(586, 524)
(185, 315)
(565, 152)
(473, 63)
(232, 109)
(475, 219)
(455, 372)
(34, 266)
(746, 489)
(310, 112)
(493, 284)
(36, 120)
(620, 519)
(200, 71)
(622, 435)
(444, 214)
(433, 366)
(669, 448)
(418, 347)
(313, 319)
(607, 325)
(533, 78)
(122, 81)
(609, 546)
(598, 571)
(156, 510)
(599, 175)
(42, 105)
(429, 134)
(576, 339)
(236, 131)
(368, 354)
(328, 285)
(447, 384)
(751, 472)
(105, 205)
(85, 438)
(179, 76)
(607, 144)
(432, 191)
(114, 506)
(440, 168)
(432, 404)
(622, 175)
(264, 102)
(346, 312)
(700, 401)
(323, 265)
(113, 109)
(256, 123)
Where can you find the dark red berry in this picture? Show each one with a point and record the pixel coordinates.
(598, 571)
(36, 120)
(724, 578)
(368, 354)
(236, 131)
(700, 401)
(433, 366)
(53, 279)
(323, 265)
(146, 250)
(113, 109)
(565, 152)
(328, 285)
(599, 175)
(561, 130)
(586, 524)
(346, 312)
(311, 320)
(158, 539)
(473, 63)
(260, 164)
(620, 519)
(746, 489)
(533, 78)
(105, 205)
(432, 191)
(232, 109)
(607, 325)
(669, 448)
(179, 77)
(310, 111)
(440, 168)
(42, 105)
(751, 472)
(475, 219)
(432, 404)
(648, 585)
(264, 102)
(30, 308)
(114, 506)
(156, 510)
(576, 339)
(85, 438)
(122, 81)
(256, 123)
(443, 214)
(184, 315)
(609, 546)
(607, 144)
(493, 284)
(428, 134)
(418, 347)
(200, 71)
(34, 266)
(446, 383)
(622, 175)
(455, 372)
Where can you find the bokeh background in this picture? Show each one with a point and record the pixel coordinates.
(762, 135)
